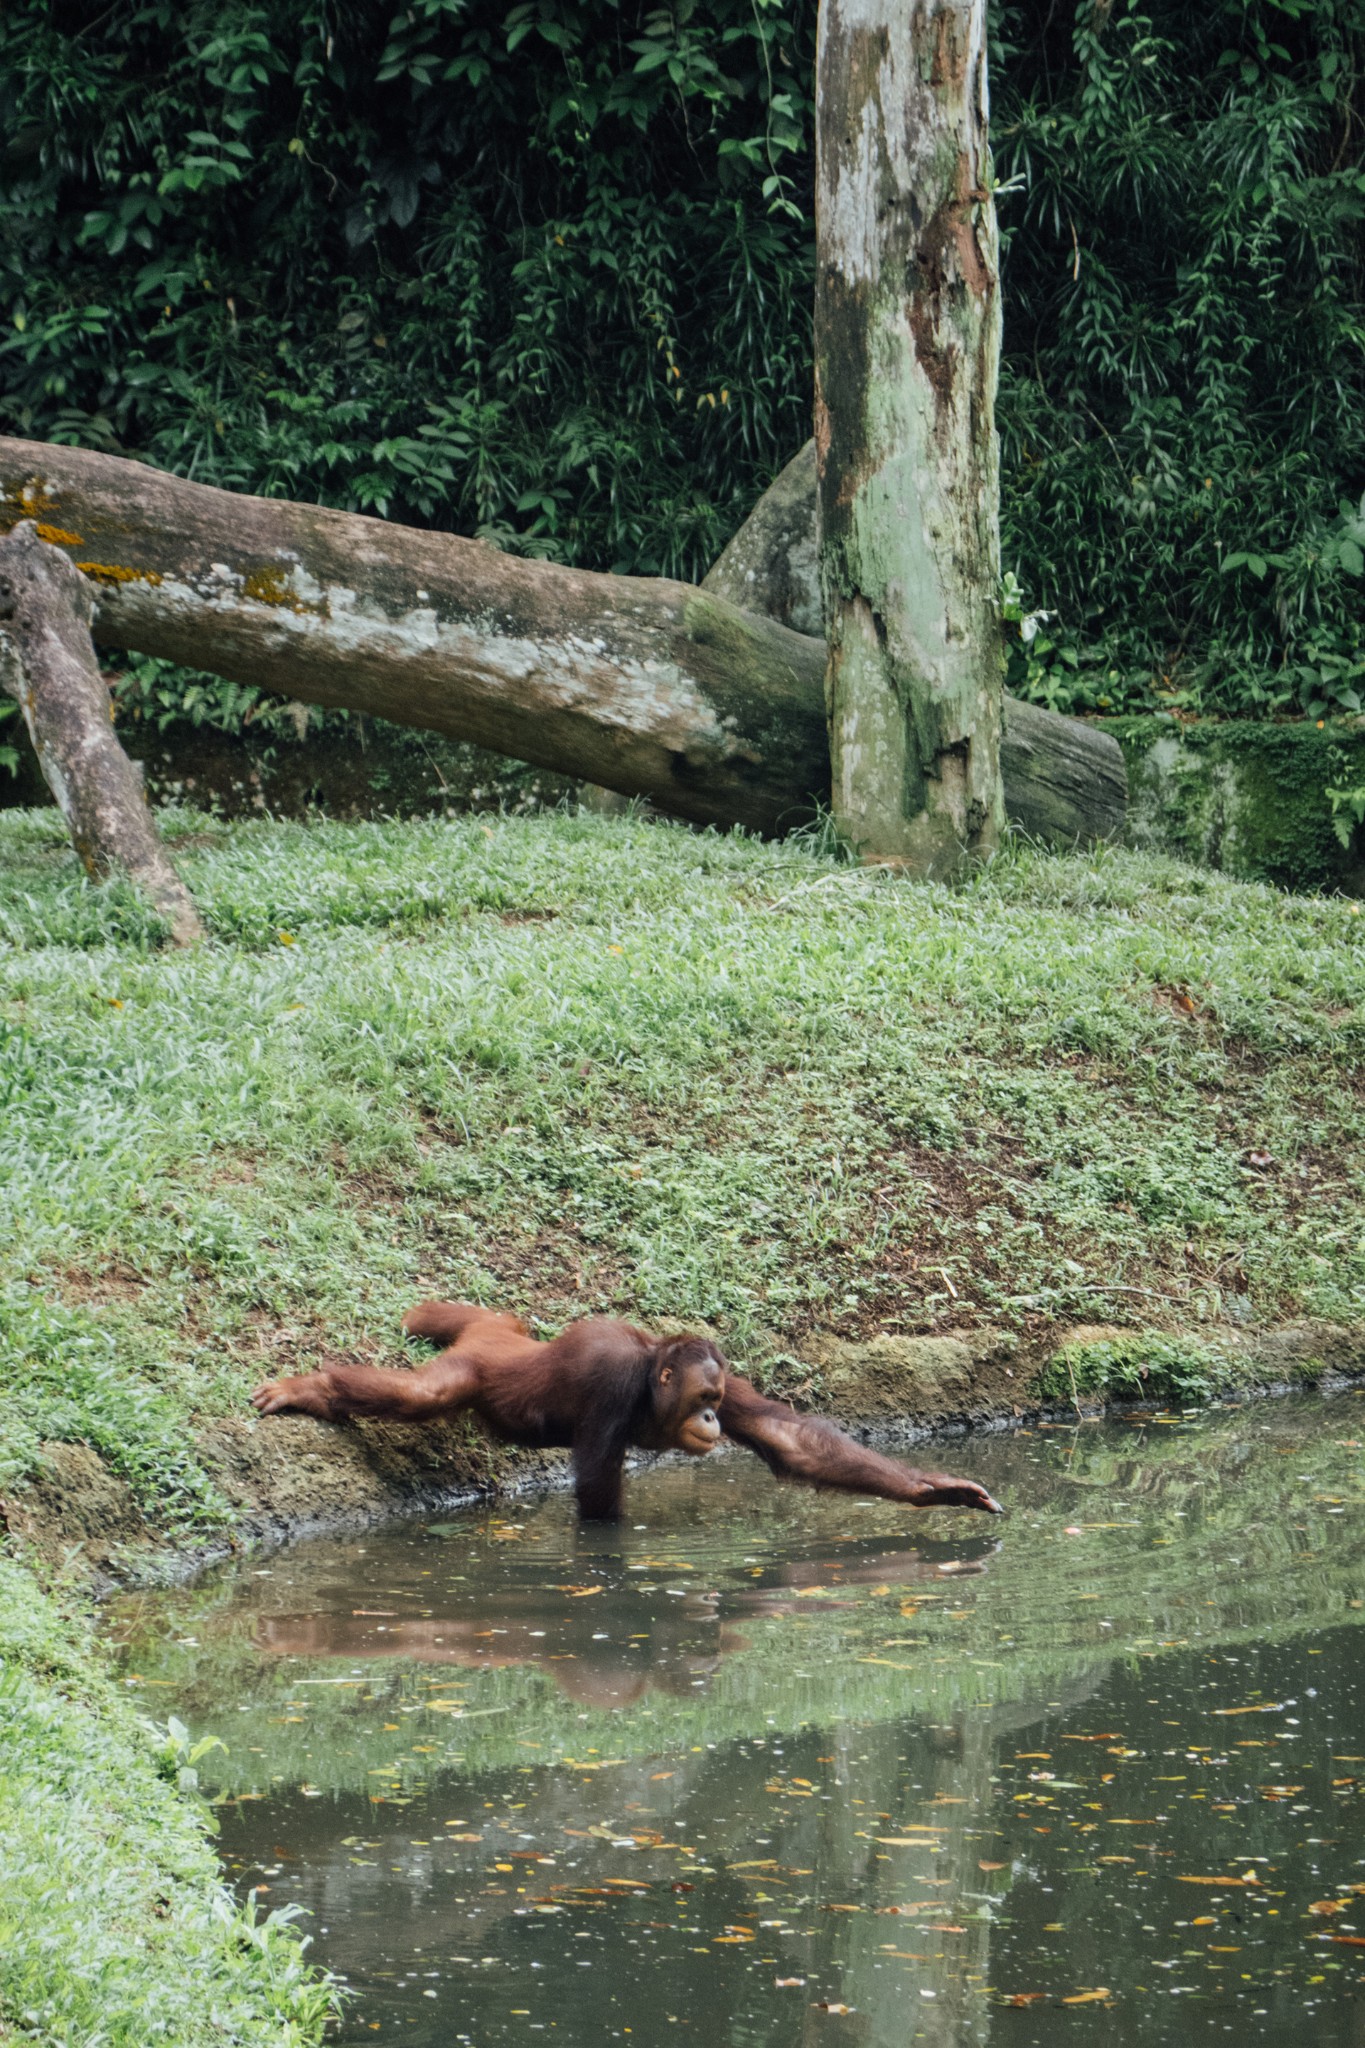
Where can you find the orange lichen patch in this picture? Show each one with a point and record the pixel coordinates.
(271, 586)
(114, 573)
(57, 536)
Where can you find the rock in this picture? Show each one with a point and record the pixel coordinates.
(917, 1380)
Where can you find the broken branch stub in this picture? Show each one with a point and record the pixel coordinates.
(47, 663)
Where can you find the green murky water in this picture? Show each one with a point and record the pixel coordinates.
(773, 1767)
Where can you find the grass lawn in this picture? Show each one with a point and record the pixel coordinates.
(568, 1064)
(573, 1064)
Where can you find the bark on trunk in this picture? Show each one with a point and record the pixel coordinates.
(650, 687)
(47, 662)
(1065, 781)
(907, 342)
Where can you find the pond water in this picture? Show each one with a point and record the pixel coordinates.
(772, 1767)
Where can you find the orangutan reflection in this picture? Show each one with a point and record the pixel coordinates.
(602, 1643)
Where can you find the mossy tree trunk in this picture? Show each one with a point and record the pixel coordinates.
(907, 342)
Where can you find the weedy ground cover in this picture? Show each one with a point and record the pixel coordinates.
(580, 1064)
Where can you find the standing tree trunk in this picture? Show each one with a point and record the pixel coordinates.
(47, 662)
(907, 342)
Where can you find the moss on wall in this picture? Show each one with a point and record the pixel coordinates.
(1245, 795)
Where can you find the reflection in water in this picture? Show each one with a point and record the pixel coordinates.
(599, 1653)
(784, 1768)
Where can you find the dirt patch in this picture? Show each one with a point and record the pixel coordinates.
(1301, 1353)
(290, 1477)
(921, 1382)
(74, 1503)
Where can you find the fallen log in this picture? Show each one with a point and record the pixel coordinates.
(48, 665)
(643, 685)
(646, 686)
(1065, 782)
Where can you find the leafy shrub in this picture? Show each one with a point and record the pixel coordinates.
(1143, 1367)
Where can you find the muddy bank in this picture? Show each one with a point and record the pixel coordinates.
(292, 1476)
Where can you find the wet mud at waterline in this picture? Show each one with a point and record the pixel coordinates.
(766, 1766)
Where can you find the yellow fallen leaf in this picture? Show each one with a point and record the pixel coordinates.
(1087, 1997)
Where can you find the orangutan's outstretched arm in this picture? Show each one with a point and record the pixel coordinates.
(808, 1448)
(439, 1388)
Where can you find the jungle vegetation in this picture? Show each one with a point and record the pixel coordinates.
(543, 272)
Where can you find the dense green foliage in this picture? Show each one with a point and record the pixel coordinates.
(543, 271)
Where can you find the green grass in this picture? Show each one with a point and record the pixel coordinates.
(577, 1063)
(115, 1930)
